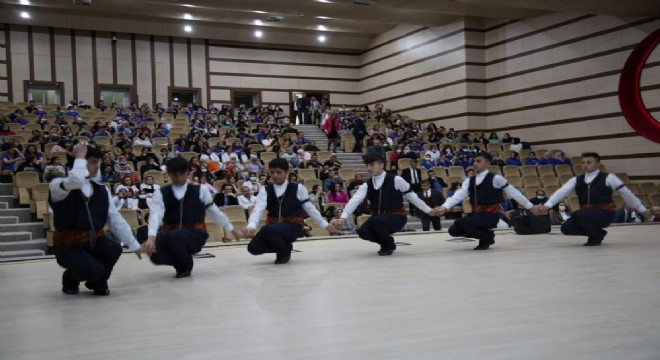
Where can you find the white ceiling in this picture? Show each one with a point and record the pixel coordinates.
(348, 25)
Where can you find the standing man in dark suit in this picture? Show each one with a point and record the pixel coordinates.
(377, 148)
(359, 132)
(293, 110)
(433, 198)
(413, 176)
(303, 110)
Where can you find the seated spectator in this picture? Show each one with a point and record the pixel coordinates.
(31, 164)
(9, 160)
(355, 183)
(433, 153)
(311, 147)
(520, 211)
(497, 161)
(532, 160)
(562, 214)
(127, 184)
(293, 178)
(628, 215)
(317, 197)
(10, 144)
(204, 184)
(516, 145)
(254, 165)
(227, 197)
(453, 188)
(332, 179)
(514, 160)
(247, 200)
(333, 163)
(54, 169)
(152, 164)
(377, 147)
(337, 194)
(108, 174)
(149, 186)
(560, 158)
(506, 138)
(548, 159)
(493, 138)
(5, 131)
(436, 182)
(428, 162)
(540, 198)
(124, 200)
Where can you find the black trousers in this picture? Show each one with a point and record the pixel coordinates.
(85, 263)
(476, 226)
(176, 248)
(379, 229)
(428, 220)
(275, 238)
(357, 148)
(588, 222)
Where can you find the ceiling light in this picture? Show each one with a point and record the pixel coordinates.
(187, 16)
(25, 15)
(259, 12)
(321, 27)
(325, 1)
(258, 33)
(187, 28)
(258, 22)
(323, 17)
(189, 5)
(321, 38)
(25, 2)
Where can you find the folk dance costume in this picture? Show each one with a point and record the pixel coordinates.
(287, 205)
(385, 193)
(594, 191)
(176, 220)
(485, 193)
(81, 210)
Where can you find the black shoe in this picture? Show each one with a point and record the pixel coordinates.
(102, 292)
(593, 242)
(70, 291)
(484, 245)
(282, 260)
(386, 252)
(183, 274)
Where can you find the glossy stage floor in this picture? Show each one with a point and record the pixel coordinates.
(529, 297)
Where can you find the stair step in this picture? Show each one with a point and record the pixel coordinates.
(6, 189)
(10, 236)
(8, 219)
(24, 215)
(10, 200)
(36, 228)
(37, 244)
(4, 205)
(16, 255)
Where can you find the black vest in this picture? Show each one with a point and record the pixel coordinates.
(71, 213)
(385, 198)
(484, 193)
(290, 205)
(189, 210)
(595, 193)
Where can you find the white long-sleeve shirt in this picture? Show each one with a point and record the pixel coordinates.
(302, 195)
(157, 209)
(399, 184)
(77, 180)
(611, 181)
(498, 182)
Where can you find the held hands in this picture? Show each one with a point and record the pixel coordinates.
(149, 246)
(238, 234)
(336, 223)
(650, 214)
(540, 209)
(249, 232)
(438, 211)
(331, 228)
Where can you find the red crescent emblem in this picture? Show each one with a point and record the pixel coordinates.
(630, 96)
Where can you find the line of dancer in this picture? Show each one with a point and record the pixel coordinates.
(82, 209)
